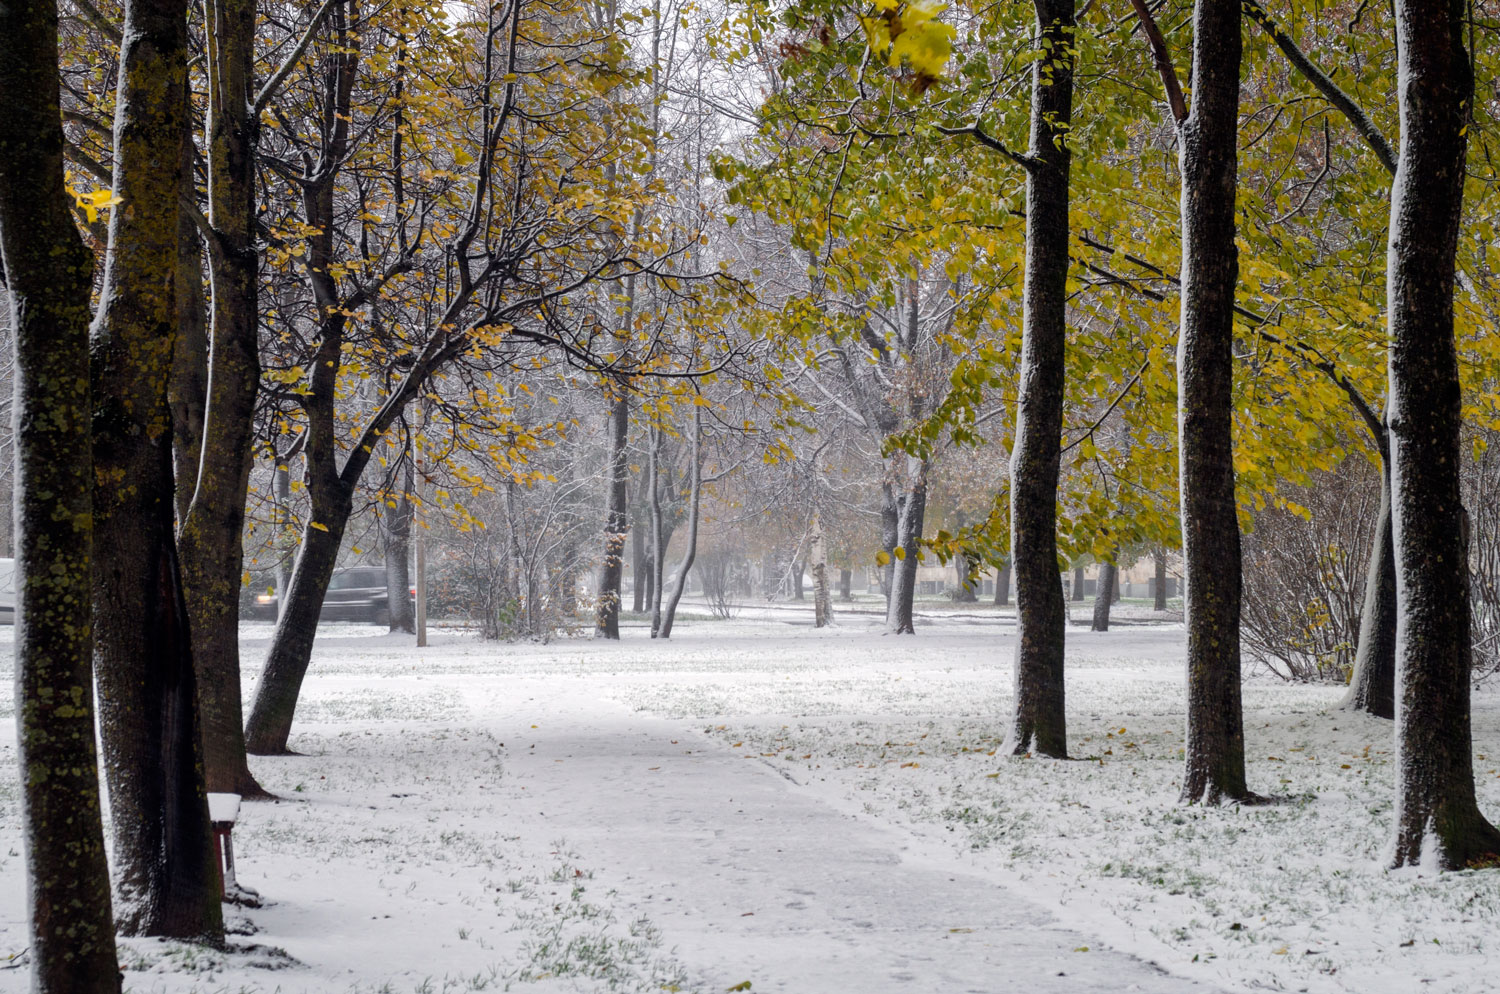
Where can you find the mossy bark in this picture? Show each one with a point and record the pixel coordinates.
(164, 858)
(49, 276)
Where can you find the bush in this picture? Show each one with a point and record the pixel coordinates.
(721, 571)
(1304, 570)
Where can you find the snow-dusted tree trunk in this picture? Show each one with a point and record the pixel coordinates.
(890, 537)
(658, 550)
(396, 525)
(1104, 595)
(1038, 722)
(616, 516)
(899, 611)
(163, 856)
(1159, 559)
(1437, 816)
(818, 558)
(49, 277)
(695, 498)
(1208, 149)
(211, 538)
(1372, 685)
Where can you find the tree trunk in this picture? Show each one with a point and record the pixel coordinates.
(270, 722)
(187, 391)
(1372, 685)
(1160, 593)
(1002, 586)
(966, 567)
(211, 542)
(397, 534)
(1039, 722)
(640, 562)
(799, 581)
(818, 555)
(616, 517)
(1215, 750)
(658, 542)
(164, 859)
(890, 537)
(1104, 596)
(281, 495)
(846, 583)
(898, 616)
(1437, 818)
(691, 552)
(1077, 587)
(1114, 587)
(49, 278)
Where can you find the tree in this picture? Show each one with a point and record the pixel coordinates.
(211, 540)
(1208, 137)
(165, 863)
(1437, 817)
(694, 514)
(1104, 595)
(48, 275)
(396, 535)
(1039, 723)
(496, 253)
(617, 515)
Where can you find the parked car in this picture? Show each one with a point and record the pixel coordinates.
(7, 591)
(355, 593)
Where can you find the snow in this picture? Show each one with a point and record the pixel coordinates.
(223, 808)
(810, 811)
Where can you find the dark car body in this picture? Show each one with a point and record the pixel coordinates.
(355, 593)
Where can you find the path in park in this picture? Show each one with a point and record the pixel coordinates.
(752, 877)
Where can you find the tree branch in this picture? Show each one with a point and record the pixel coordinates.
(992, 143)
(1325, 85)
(290, 62)
(94, 16)
(1163, 60)
(1309, 354)
(1129, 385)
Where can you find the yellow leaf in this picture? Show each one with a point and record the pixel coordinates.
(94, 201)
(318, 525)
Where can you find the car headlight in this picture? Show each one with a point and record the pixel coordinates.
(264, 598)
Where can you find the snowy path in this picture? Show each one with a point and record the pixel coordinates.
(580, 818)
(752, 877)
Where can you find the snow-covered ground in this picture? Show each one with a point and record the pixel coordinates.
(805, 811)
